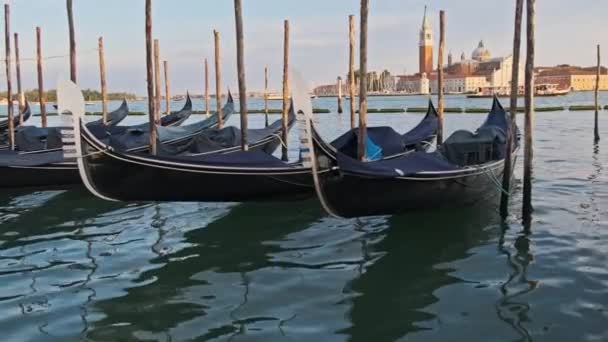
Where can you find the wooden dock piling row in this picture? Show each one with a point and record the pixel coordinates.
(266, 97)
(41, 94)
(339, 95)
(508, 170)
(150, 77)
(102, 77)
(240, 63)
(218, 79)
(157, 94)
(9, 90)
(363, 83)
(596, 129)
(351, 68)
(21, 98)
(206, 88)
(285, 129)
(440, 76)
(72, 41)
(167, 95)
(529, 115)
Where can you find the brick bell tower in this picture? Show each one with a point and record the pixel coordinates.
(426, 46)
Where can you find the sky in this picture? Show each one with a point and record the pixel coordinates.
(567, 33)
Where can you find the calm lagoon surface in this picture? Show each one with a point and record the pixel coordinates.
(75, 267)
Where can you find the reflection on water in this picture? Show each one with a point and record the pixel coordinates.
(74, 267)
(509, 309)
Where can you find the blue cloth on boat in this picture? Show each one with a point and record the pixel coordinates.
(372, 151)
(391, 142)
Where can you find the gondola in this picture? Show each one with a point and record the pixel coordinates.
(465, 169)
(35, 137)
(114, 118)
(40, 163)
(237, 176)
(26, 113)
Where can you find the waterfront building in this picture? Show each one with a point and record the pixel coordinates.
(572, 77)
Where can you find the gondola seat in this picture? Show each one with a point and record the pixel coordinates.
(465, 148)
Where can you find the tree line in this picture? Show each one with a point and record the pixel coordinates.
(89, 95)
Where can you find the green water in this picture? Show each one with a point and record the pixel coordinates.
(74, 267)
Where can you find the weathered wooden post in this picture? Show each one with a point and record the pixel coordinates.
(218, 80)
(597, 92)
(72, 41)
(240, 63)
(440, 76)
(41, 95)
(206, 88)
(339, 95)
(150, 77)
(9, 89)
(266, 96)
(167, 97)
(363, 84)
(351, 68)
(102, 77)
(157, 93)
(508, 172)
(284, 155)
(18, 74)
(529, 115)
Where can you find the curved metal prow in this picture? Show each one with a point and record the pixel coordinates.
(70, 99)
(303, 108)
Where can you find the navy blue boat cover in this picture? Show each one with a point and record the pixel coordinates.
(405, 165)
(216, 139)
(127, 137)
(447, 158)
(388, 139)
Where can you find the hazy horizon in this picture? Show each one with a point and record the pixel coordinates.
(567, 33)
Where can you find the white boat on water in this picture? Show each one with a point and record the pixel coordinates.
(544, 89)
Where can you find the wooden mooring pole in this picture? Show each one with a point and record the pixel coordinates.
(339, 95)
(157, 93)
(206, 88)
(167, 95)
(351, 69)
(41, 95)
(529, 112)
(102, 77)
(284, 155)
(18, 74)
(72, 41)
(9, 89)
(363, 83)
(508, 170)
(596, 129)
(240, 63)
(440, 76)
(150, 77)
(266, 96)
(218, 79)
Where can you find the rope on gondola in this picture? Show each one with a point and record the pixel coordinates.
(34, 59)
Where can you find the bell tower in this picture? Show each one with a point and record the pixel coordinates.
(426, 46)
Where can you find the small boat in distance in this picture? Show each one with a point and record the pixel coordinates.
(541, 90)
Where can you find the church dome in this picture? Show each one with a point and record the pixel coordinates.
(481, 53)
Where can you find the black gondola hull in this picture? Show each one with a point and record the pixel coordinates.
(53, 176)
(354, 196)
(127, 179)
